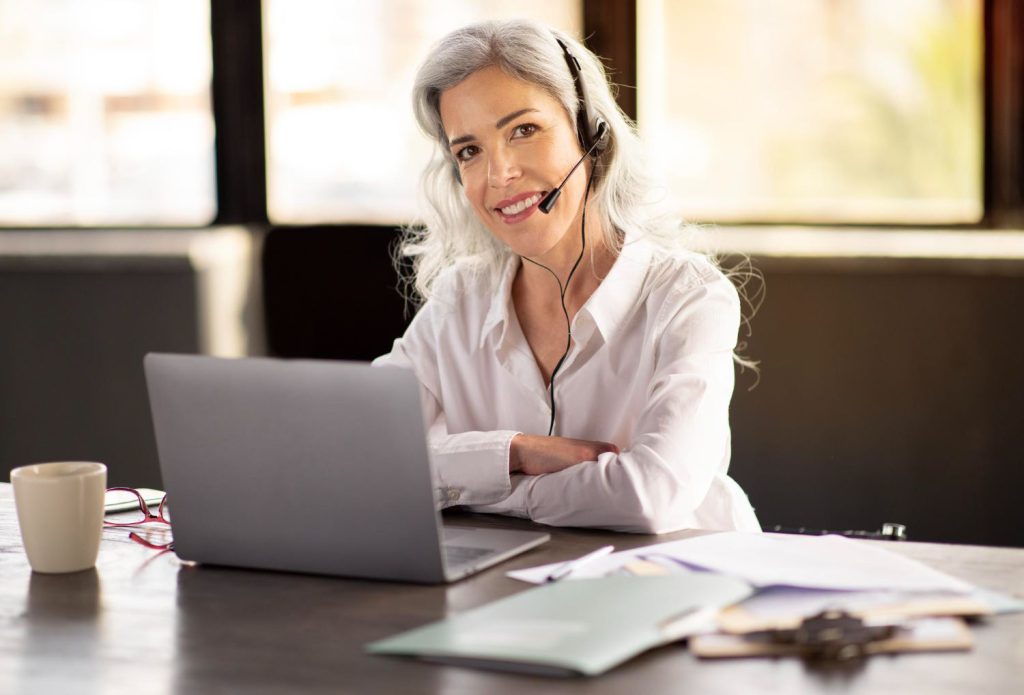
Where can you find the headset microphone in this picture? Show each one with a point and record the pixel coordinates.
(549, 200)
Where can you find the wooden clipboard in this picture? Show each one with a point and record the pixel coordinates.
(920, 635)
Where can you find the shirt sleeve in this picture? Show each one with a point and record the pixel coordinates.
(681, 441)
(468, 467)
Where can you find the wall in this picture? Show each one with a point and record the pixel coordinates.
(80, 309)
(890, 391)
(71, 381)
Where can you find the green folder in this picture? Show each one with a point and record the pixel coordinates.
(583, 626)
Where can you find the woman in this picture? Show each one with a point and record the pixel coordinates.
(577, 365)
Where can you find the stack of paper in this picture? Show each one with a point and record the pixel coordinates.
(800, 576)
(724, 591)
(771, 559)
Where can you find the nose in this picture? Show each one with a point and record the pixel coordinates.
(502, 168)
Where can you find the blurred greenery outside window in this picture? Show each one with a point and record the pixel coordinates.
(853, 111)
(105, 116)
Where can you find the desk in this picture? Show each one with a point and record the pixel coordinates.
(143, 622)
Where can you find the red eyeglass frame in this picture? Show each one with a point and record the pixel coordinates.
(159, 518)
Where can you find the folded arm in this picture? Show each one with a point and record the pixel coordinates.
(680, 442)
(653, 484)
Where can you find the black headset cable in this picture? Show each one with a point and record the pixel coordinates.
(562, 289)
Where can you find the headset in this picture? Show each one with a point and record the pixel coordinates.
(591, 129)
(593, 134)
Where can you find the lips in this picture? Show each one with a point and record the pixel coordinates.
(518, 207)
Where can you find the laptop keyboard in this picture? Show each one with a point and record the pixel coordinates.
(461, 554)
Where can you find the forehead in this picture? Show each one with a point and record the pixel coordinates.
(485, 96)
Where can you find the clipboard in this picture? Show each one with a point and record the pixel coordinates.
(920, 635)
(739, 620)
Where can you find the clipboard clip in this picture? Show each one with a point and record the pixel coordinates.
(832, 635)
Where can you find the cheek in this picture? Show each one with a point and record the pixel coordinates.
(476, 195)
(473, 189)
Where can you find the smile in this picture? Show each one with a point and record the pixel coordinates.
(519, 209)
(516, 208)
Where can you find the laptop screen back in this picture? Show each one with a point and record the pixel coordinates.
(305, 466)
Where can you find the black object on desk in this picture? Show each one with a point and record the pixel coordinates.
(888, 532)
(831, 634)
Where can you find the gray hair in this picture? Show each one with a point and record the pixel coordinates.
(450, 232)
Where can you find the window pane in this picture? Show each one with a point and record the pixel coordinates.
(105, 112)
(814, 110)
(342, 142)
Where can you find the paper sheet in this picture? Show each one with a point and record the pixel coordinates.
(785, 607)
(769, 559)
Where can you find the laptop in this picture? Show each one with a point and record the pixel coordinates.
(307, 466)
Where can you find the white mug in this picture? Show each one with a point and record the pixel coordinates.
(60, 513)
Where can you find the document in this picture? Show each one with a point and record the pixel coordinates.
(769, 559)
(572, 627)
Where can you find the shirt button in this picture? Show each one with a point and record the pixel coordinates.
(452, 494)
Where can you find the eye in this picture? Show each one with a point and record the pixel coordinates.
(524, 130)
(466, 153)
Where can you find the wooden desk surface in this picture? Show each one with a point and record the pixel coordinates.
(144, 623)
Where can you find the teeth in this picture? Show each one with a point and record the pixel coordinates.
(516, 208)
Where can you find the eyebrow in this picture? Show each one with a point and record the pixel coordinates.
(501, 123)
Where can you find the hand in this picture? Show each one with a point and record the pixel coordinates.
(532, 454)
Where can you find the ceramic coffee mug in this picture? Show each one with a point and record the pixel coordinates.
(60, 512)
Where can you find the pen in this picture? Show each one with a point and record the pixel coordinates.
(567, 568)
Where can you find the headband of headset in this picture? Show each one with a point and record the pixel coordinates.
(591, 129)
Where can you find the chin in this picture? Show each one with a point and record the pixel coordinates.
(530, 248)
(522, 241)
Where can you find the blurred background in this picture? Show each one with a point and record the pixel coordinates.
(229, 177)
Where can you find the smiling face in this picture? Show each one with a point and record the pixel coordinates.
(514, 143)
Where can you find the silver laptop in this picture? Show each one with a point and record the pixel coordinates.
(307, 466)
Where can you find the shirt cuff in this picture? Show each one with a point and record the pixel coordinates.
(472, 467)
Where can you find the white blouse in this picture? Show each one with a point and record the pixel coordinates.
(650, 370)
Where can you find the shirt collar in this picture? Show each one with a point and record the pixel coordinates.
(619, 293)
(501, 302)
(609, 306)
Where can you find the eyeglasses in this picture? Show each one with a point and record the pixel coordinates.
(141, 514)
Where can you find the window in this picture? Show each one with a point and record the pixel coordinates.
(105, 113)
(342, 144)
(805, 111)
(814, 111)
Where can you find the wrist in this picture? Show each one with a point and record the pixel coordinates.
(515, 463)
